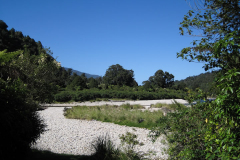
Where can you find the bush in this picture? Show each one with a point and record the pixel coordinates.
(20, 124)
(64, 96)
(185, 131)
(106, 150)
(223, 135)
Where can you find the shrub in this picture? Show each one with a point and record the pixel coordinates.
(19, 122)
(64, 96)
(105, 149)
(185, 130)
(129, 142)
(223, 135)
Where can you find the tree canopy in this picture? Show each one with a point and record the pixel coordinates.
(215, 21)
(117, 75)
(159, 80)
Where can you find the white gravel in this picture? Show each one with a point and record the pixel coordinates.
(73, 136)
(145, 103)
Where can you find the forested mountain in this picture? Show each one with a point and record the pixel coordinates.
(202, 81)
(80, 73)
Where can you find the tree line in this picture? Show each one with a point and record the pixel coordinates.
(115, 75)
(116, 83)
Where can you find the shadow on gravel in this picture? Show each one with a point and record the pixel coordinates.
(47, 155)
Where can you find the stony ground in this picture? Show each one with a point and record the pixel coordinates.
(73, 136)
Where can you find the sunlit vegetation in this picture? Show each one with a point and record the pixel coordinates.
(95, 94)
(126, 114)
(210, 129)
(171, 106)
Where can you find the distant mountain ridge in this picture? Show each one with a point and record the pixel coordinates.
(80, 73)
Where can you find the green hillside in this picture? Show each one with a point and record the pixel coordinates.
(204, 81)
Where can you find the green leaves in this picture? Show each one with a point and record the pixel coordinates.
(117, 75)
(218, 21)
(159, 80)
(185, 130)
(210, 22)
(5, 56)
(224, 126)
(36, 72)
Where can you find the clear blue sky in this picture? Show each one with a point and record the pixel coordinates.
(91, 35)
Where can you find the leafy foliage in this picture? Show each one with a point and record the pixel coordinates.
(93, 94)
(159, 80)
(215, 21)
(105, 149)
(93, 83)
(184, 129)
(78, 82)
(117, 75)
(20, 124)
(219, 47)
(204, 81)
(222, 137)
(6, 57)
(129, 142)
(35, 71)
(26, 79)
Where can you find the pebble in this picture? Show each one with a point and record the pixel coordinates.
(72, 136)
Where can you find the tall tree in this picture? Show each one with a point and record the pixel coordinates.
(117, 75)
(92, 83)
(159, 80)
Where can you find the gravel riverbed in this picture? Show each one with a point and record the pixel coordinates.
(76, 137)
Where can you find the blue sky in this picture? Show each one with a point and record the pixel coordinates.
(91, 35)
